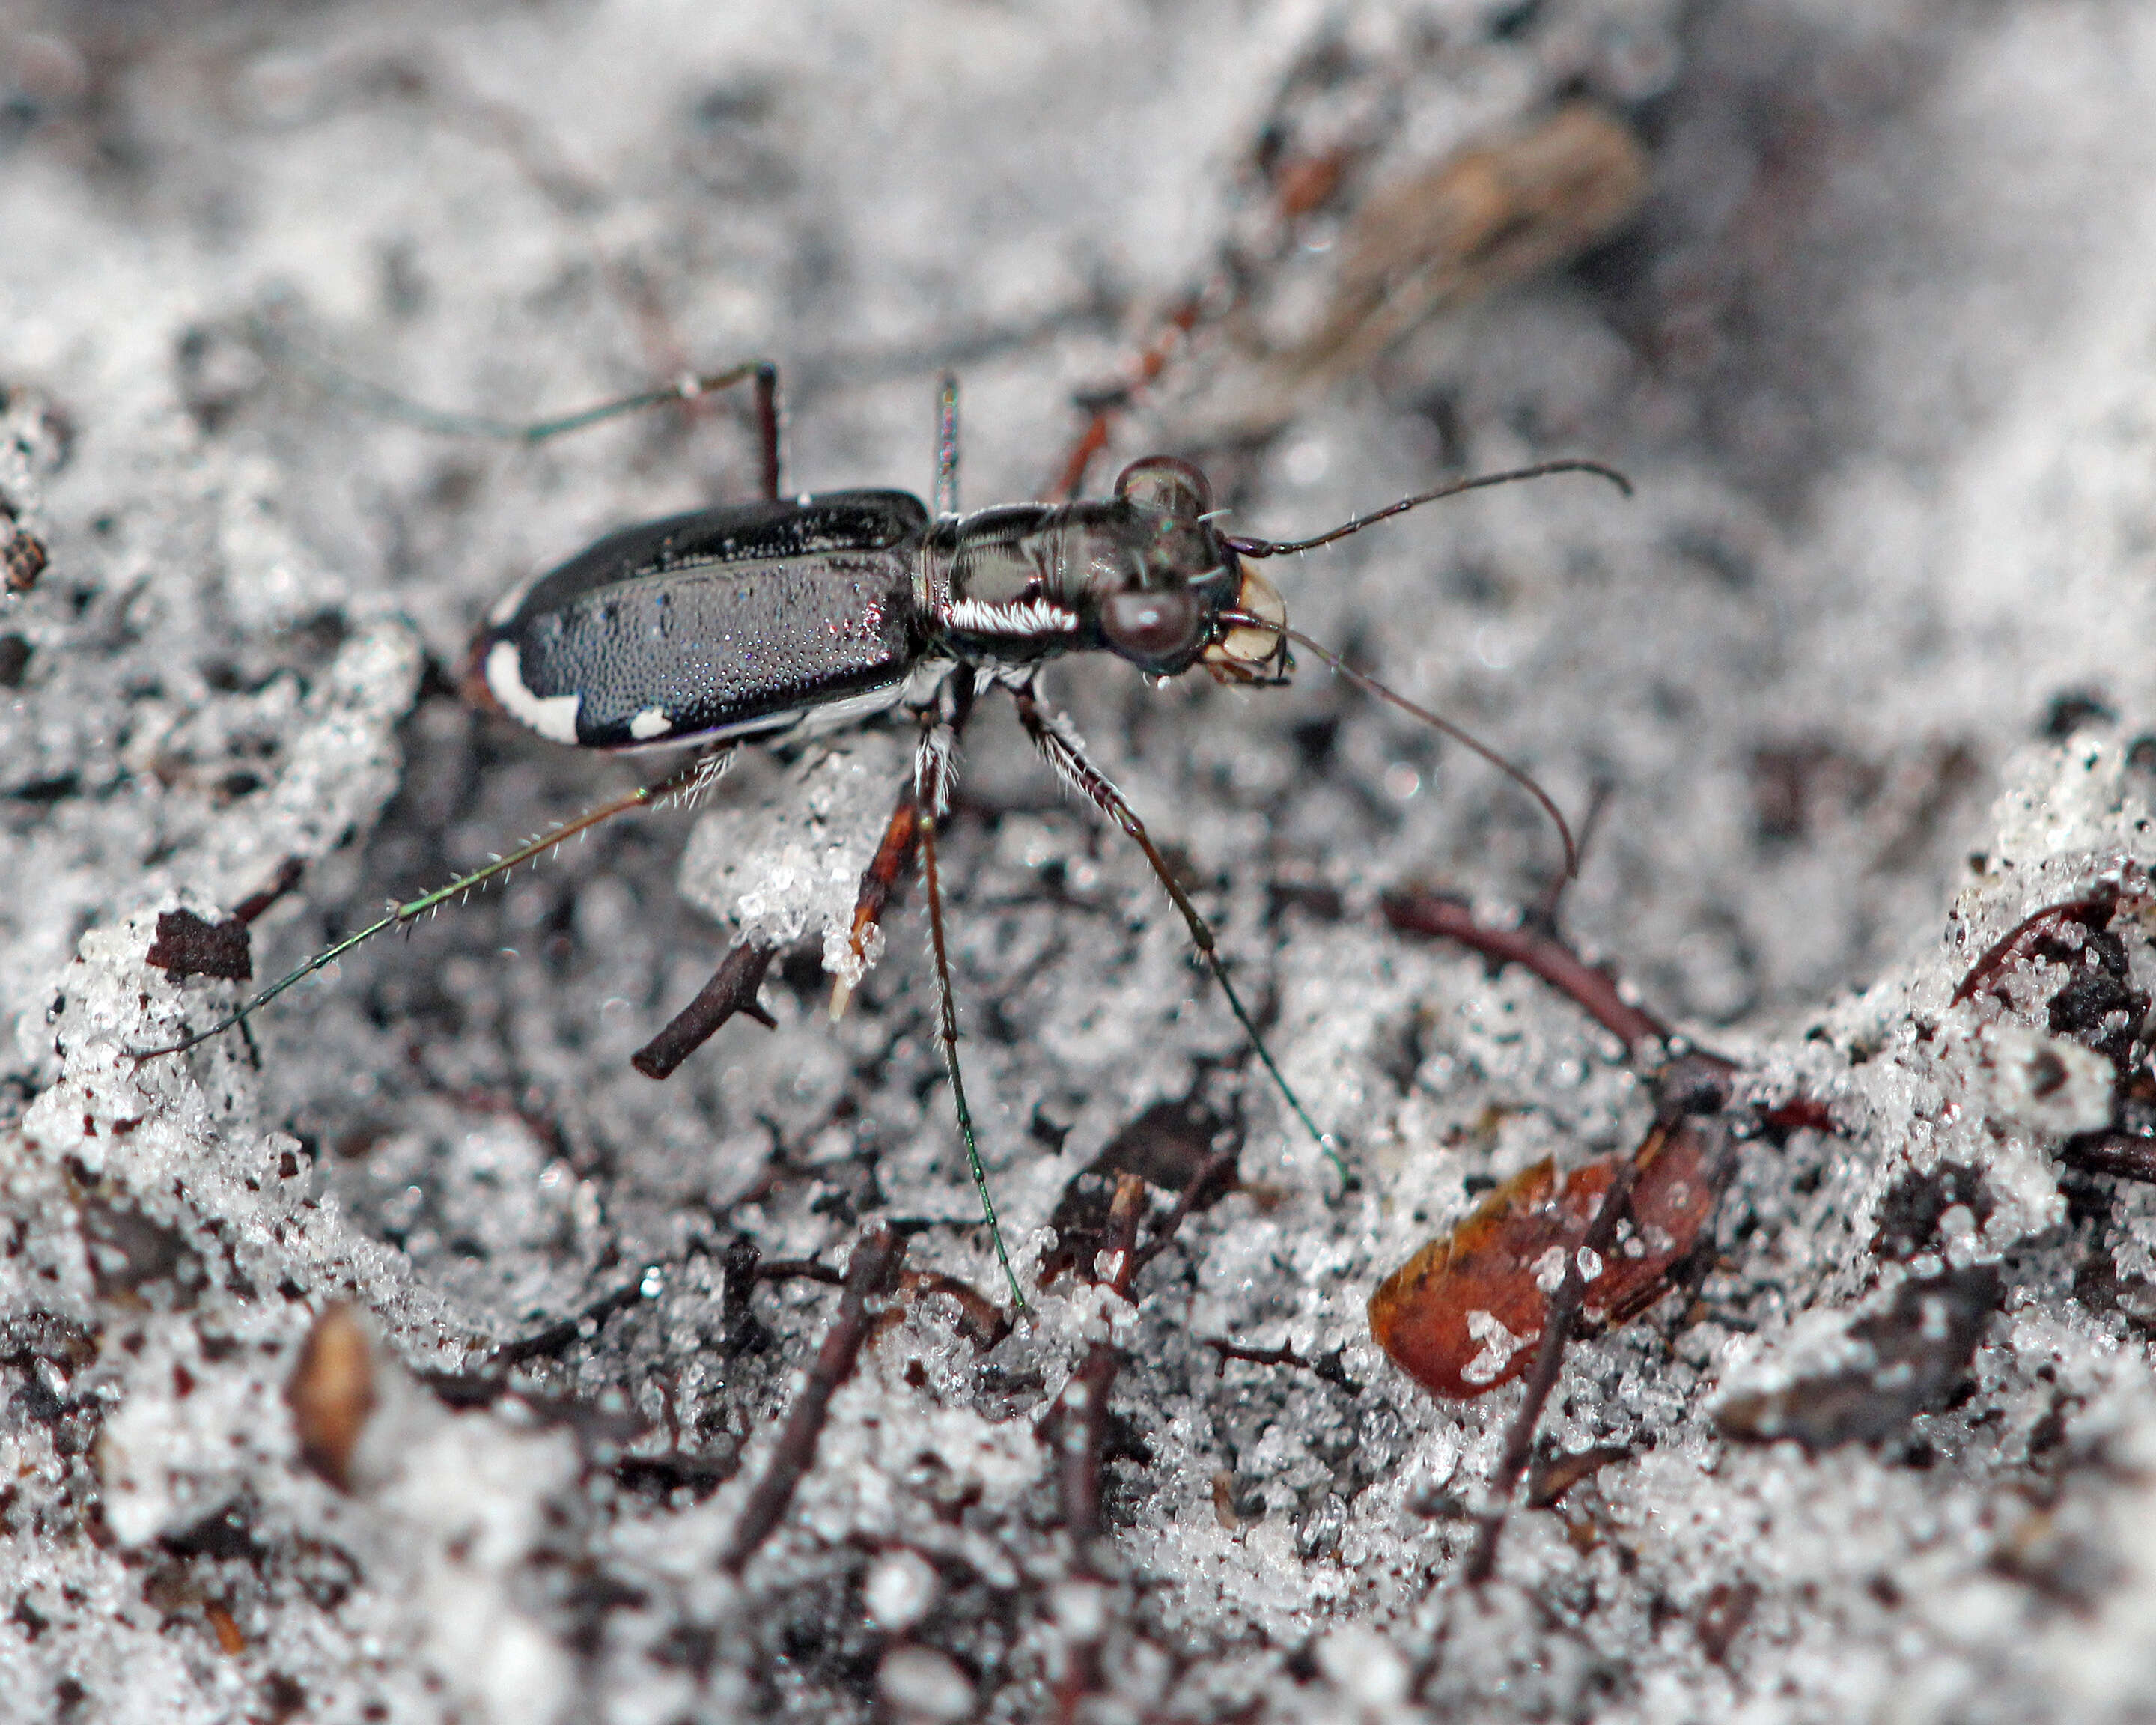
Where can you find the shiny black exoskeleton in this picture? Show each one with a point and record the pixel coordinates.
(756, 618)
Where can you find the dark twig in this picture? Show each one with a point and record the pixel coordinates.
(2122, 1155)
(1329, 1369)
(1076, 1426)
(1597, 802)
(1080, 1416)
(1562, 1313)
(1551, 1478)
(2089, 912)
(1075, 1423)
(872, 1270)
(1201, 1188)
(981, 1320)
(287, 877)
(732, 989)
(740, 1260)
(1151, 360)
(1590, 986)
(561, 1334)
(800, 1270)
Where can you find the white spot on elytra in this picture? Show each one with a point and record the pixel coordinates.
(553, 716)
(651, 722)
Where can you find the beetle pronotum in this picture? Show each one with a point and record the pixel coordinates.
(786, 618)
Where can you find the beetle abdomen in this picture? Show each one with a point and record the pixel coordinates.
(729, 622)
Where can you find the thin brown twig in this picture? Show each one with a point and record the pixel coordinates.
(1598, 803)
(2083, 911)
(580, 1326)
(2122, 1155)
(981, 1320)
(731, 990)
(1075, 1427)
(872, 1270)
(1329, 1369)
(1080, 1416)
(800, 1270)
(1199, 1186)
(1152, 359)
(286, 878)
(1593, 988)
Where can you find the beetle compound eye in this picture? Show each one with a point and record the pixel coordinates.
(1144, 625)
(1164, 482)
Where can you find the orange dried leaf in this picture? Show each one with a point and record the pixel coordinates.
(1463, 1315)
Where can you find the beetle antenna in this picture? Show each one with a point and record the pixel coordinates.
(1281, 547)
(1519, 775)
(403, 916)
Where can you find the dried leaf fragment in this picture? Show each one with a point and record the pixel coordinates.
(1478, 222)
(331, 1394)
(188, 945)
(1462, 1316)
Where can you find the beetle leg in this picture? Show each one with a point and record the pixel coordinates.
(683, 779)
(901, 834)
(947, 445)
(933, 778)
(901, 840)
(275, 344)
(766, 426)
(1059, 743)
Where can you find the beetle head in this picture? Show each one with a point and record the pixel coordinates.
(1177, 595)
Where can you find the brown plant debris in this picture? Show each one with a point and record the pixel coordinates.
(331, 1392)
(872, 1270)
(1464, 1314)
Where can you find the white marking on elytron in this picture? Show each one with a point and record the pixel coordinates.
(553, 716)
(1019, 618)
(651, 722)
(739, 729)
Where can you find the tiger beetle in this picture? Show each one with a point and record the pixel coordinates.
(787, 617)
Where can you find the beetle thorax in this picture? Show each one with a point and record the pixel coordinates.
(1029, 581)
